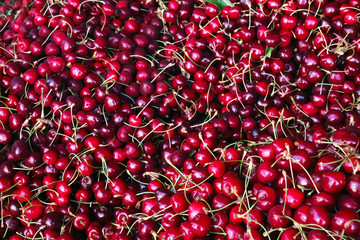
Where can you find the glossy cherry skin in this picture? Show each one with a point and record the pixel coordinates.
(219, 221)
(145, 227)
(217, 169)
(200, 225)
(319, 215)
(325, 199)
(196, 208)
(290, 233)
(346, 219)
(178, 202)
(234, 231)
(252, 234)
(333, 182)
(276, 216)
(170, 219)
(353, 186)
(254, 218)
(233, 187)
(294, 197)
(266, 173)
(34, 209)
(317, 235)
(267, 198)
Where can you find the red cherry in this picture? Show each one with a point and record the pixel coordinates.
(196, 208)
(350, 17)
(200, 225)
(266, 173)
(346, 219)
(178, 202)
(254, 218)
(81, 221)
(220, 220)
(234, 231)
(353, 186)
(233, 187)
(288, 21)
(267, 198)
(217, 169)
(293, 197)
(34, 209)
(317, 235)
(232, 156)
(290, 234)
(276, 216)
(319, 216)
(333, 182)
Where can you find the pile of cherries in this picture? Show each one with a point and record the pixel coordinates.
(180, 119)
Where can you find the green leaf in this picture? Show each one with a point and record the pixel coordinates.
(221, 3)
(268, 52)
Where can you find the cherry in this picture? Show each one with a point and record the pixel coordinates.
(205, 192)
(129, 198)
(266, 197)
(353, 185)
(276, 216)
(346, 219)
(221, 201)
(57, 64)
(266, 173)
(11, 223)
(346, 201)
(220, 221)
(170, 219)
(103, 196)
(200, 225)
(185, 229)
(33, 209)
(311, 22)
(178, 202)
(232, 156)
(294, 198)
(5, 137)
(78, 71)
(350, 17)
(196, 208)
(319, 215)
(211, 10)
(326, 163)
(20, 149)
(300, 160)
(317, 235)
(333, 181)
(132, 151)
(232, 187)
(324, 199)
(203, 157)
(52, 220)
(234, 231)
(81, 221)
(145, 227)
(288, 21)
(290, 233)
(254, 218)
(217, 169)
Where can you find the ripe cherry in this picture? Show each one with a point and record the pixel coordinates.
(346, 219)
(276, 216)
(333, 181)
(319, 215)
(200, 225)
